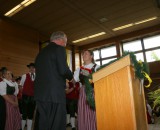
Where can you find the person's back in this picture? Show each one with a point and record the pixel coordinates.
(51, 74)
(50, 80)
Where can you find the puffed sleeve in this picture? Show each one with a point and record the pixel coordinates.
(3, 87)
(97, 66)
(76, 75)
(16, 89)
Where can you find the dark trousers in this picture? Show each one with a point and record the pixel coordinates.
(2, 113)
(72, 107)
(36, 122)
(20, 105)
(52, 116)
(28, 107)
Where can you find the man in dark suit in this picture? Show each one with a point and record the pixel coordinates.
(51, 74)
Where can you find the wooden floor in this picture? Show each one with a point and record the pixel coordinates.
(155, 126)
(150, 127)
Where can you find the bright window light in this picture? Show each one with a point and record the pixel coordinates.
(139, 56)
(153, 55)
(108, 51)
(97, 62)
(152, 42)
(132, 46)
(96, 55)
(107, 61)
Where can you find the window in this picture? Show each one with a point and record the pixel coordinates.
(97, 62)
(108, 51)
(77, 65)
(139, 56)
(96, 54)
(105, 55)
(69, 58)
(153, 55)
(132, 46)
(107, 61)
(152, 42)
(148, 47)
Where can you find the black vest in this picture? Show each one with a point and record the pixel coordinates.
(10, 90)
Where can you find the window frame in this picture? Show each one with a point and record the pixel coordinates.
(106, 58)
(142, 44)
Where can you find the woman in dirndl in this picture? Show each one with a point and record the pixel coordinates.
(86, 114)
(9, 91)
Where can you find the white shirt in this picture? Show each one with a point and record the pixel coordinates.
(89, 66)
(23, 79)
(3, 87)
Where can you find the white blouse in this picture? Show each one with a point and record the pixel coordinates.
(89, 66)
(23, 79)
(3, 87)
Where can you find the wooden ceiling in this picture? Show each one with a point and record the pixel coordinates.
(81, 18)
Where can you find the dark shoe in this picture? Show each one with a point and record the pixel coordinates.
(73, 128)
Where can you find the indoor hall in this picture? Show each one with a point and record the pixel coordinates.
(110, 29)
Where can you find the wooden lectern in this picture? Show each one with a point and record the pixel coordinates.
(120, 104)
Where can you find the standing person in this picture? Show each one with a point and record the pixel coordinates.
(51, 74)
(86, 115)
(28, 103)
(9, 91)
(2, 104)
(72, 94)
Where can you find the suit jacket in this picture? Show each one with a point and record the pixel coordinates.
(51, 74)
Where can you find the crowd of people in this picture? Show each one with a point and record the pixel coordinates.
(17, 101)
(51, 89)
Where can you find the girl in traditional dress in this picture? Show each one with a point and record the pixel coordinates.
(86, 115)
(9, 91)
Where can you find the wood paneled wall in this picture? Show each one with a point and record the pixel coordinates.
(18, 46)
